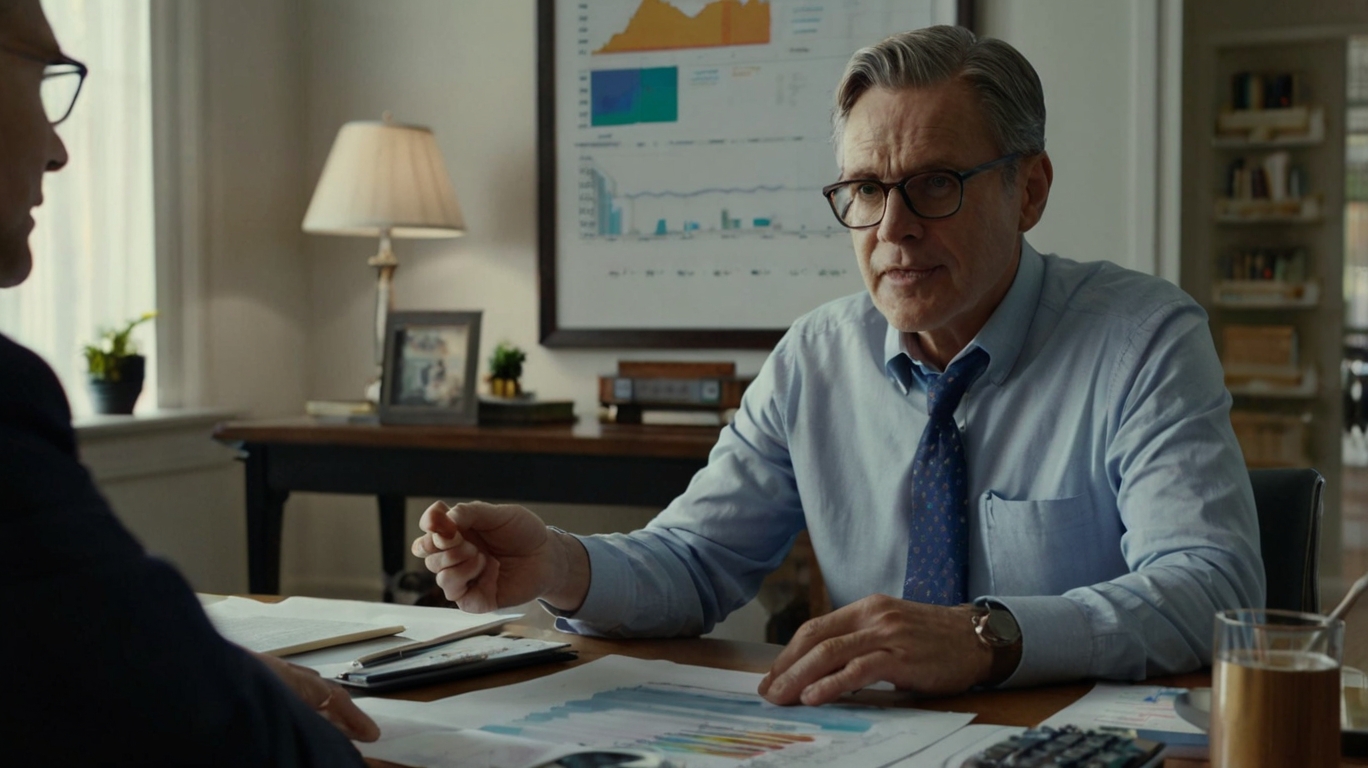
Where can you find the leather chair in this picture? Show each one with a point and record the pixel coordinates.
(1289, 504)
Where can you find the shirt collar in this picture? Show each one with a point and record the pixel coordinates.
(1001, 337)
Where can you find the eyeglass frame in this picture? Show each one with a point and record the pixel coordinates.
(901, 186)
(61, 59)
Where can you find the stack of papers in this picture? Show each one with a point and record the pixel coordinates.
(299, 624)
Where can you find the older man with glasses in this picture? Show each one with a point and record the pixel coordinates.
(110, 660)
(1015, 468)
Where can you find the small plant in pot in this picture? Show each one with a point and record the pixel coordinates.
(505, 369)
(115, 370)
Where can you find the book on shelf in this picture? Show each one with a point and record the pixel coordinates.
(525, 410)
(1253, 263)
(1269, 347)
(1252, 209)
(1271, 294)
(1271, 439)
(342, 411)
(667, 417)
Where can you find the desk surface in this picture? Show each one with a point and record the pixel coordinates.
(1023, 707)
(588, 438)
(588, 463)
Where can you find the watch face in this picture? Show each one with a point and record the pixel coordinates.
(1002, 626)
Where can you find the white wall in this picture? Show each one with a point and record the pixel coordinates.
(231, 275)
(467, 70)
(1100, 66)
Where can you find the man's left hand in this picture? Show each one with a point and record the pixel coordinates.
(927, 649)
(325, 697)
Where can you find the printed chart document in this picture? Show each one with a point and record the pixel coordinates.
(1145, 709)
(704, 717)
(284, 628)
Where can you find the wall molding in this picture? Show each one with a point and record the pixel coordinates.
(118, 448)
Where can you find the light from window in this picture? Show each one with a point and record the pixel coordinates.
(93, 254)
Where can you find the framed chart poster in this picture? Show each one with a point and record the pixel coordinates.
(683, 145)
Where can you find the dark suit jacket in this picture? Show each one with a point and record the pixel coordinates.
(107, 657)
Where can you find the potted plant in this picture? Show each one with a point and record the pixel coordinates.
(115, 370)
(505, 368)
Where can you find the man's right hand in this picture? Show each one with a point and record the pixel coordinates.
(489, 556)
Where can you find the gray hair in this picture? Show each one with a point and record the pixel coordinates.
(1006, 83)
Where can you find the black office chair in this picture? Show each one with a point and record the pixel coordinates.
(1289, 504)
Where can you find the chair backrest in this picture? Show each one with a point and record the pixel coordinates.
(1289, 504)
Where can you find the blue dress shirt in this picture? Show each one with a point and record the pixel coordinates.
(1110, 510)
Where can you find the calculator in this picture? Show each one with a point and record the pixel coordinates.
(1067, 746)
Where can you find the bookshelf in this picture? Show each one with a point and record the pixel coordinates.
(1263, 200)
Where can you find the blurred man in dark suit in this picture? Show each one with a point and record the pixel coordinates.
(109, 659)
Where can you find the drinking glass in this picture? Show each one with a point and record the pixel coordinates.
(1275, 689)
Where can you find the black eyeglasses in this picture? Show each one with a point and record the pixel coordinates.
(860, 203)
(63, 77)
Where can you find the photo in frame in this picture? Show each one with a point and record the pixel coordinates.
(682, 148)
(430, 368)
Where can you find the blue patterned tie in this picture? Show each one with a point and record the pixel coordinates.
(938, 547)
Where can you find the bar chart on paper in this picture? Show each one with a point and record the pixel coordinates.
(678, 719)
(694, 140)
(702, 727)
(697, 716)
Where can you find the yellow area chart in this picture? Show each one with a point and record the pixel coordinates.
(659, 26)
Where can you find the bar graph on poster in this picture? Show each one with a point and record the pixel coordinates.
(692, 141)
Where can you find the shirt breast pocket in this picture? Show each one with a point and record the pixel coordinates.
(1045, 547)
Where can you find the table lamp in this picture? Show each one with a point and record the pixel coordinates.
(384, 179)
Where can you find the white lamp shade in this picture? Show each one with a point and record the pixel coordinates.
(384, 176)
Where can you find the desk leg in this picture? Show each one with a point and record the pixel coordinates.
(265, 514)
(393, 542)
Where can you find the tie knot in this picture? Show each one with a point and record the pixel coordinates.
(946, 391)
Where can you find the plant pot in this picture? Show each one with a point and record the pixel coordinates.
(504, 387)
(108, 397)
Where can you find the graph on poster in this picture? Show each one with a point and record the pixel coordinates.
(693, 139)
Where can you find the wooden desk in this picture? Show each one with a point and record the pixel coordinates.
(587, 464)
(1023, 707)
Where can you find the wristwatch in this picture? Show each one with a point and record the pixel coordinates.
(997, 628)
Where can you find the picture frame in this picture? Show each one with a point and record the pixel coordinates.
(430, 368)
(679, 182)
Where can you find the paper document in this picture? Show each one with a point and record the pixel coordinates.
(280, 636)
(408, 743)
(953, 750)
(421, 624)
(1146, 709)
(704, 717)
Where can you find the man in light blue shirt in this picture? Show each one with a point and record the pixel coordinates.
(1087, 489)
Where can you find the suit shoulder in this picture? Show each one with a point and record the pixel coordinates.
(31, 397)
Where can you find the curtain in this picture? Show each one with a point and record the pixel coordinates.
(93, 255)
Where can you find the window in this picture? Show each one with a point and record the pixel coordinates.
(93, 247)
